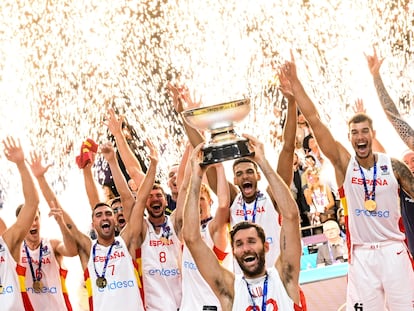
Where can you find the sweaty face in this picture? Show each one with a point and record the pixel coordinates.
(360, 136)
(156, 203)
(104, 222)
(249, 252)
(246, 178)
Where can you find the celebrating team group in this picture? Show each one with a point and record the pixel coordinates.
(150, 250)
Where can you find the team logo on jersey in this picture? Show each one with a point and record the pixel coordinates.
(45, 250)
(117, 245)
(385, 169)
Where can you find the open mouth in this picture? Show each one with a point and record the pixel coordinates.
(121, 221)
(156, 207)
(106, 226)
(33, 231)
(249, 258)
(362, 146)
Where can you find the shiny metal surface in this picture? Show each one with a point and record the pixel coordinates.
(218, 118)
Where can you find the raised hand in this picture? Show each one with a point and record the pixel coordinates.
(13, 150)
(153, 156)
(196, 158)
(181, 98)
(38, 169)
(374, 63)
(285, 87)
(257, 146)
(289, 69)
(107, 149)
(114, 122)
(359, 106)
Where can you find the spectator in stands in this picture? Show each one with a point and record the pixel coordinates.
(335, 249)
(319, 197)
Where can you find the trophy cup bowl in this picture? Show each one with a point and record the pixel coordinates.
(219, 120)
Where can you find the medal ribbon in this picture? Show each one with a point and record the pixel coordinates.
(264, 299)
(374, 182)
(106, 260)
(254, 210)
(203, 223)
(35, 277)
(163, 225)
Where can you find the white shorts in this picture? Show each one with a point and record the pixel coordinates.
(380, 276)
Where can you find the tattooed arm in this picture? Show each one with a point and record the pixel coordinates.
(404, 176)
(403, 129)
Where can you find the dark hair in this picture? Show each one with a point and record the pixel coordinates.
(99, 205)
(114, 200)
(247, 225)
(311, 157)
(244, 160)
(157, 186)
(359, 118)
(19, 208)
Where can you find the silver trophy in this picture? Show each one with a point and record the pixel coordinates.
(219, 120)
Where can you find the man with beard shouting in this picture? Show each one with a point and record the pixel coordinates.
(257, 287)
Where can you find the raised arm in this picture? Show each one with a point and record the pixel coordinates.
(15, 234)
(133, 232)
(219, 279)
(114, 124)
(288, 263)
(90, 184)
(219, 223)
(68, 246)
(121, 184)
(194, 136)
(182, 192)
(285, 162)
(405, 131)
(404, 176)
(336, 152)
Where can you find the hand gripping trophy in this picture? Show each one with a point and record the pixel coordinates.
(224, 143)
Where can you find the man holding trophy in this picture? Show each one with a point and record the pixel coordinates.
(247, 202)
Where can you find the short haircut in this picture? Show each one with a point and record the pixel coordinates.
(99, 205)
(114, 200)
(247, 225)
(359, 118)
(19, 208)
(244, 160)
(309, 156)
(157, 186)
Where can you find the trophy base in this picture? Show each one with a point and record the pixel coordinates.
(223, 152)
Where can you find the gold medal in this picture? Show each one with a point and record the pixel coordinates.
(370, 205)
(101, 282)
(37, 286)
